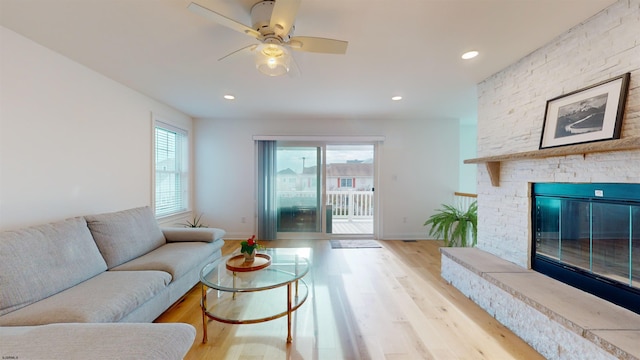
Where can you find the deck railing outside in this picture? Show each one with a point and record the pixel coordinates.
(357, 205)
(351, 204)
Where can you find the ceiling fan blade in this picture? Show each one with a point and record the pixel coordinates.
(318, 45)
(283, 15)
(222, 20)
(250, 47)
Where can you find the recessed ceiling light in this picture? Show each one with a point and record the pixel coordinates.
(396, 98)
(229, 97)
(470, 55)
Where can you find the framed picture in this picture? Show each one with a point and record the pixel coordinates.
(586, 115)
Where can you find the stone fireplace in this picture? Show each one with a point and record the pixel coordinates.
(524, 273)
(511, 107)
(588, 236)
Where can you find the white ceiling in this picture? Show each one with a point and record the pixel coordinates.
(396, 47)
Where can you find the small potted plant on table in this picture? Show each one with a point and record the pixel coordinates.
(249, 248)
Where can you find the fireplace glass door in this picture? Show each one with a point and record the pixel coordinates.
(588, 235)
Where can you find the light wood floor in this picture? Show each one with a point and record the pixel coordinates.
(387, 303)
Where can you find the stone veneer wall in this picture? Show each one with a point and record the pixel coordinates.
(550, 337)
(511, 106)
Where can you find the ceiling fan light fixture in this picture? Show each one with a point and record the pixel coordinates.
(273, 59)
(273, 25)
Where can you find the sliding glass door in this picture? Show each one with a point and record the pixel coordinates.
(299, 191)
(315, 190)
(349, 189)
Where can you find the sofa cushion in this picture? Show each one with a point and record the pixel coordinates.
(174, 258)
(125, 235)
(175, 234)
(108, 297)
(97, 341)
(40, 261)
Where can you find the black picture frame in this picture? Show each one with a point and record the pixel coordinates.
(590, 114)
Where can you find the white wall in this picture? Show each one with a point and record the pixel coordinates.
(510, 116)
(418, 168)
(468, 150)
(72, 141)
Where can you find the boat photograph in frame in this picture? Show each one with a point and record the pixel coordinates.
(586, 115)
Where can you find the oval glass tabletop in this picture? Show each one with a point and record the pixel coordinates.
(287, 265)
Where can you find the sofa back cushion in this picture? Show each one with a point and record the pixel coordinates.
(41, 261)
(125, 235)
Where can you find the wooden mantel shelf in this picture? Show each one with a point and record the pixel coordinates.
(493, 162)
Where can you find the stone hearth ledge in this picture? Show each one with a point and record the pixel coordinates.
(559, 321)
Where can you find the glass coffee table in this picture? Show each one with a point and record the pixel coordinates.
(236, 293)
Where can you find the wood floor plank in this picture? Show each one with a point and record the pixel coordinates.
(385, 303)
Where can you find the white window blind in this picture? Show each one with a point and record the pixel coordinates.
(171, 170)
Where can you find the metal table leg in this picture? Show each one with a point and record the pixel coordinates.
(204, 315)
(289, 337)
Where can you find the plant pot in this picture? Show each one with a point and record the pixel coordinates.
(249, 257)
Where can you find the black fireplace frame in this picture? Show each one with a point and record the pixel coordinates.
(603, 287)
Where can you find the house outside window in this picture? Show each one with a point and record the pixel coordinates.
(346, 183)
(171, 155)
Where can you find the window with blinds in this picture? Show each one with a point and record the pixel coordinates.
(171, 170)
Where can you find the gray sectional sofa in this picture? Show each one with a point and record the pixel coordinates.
(90, 276)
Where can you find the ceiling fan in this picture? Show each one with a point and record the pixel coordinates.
(272, 25)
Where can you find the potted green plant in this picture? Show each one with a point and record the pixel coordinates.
(454, 225)
(195, 223)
